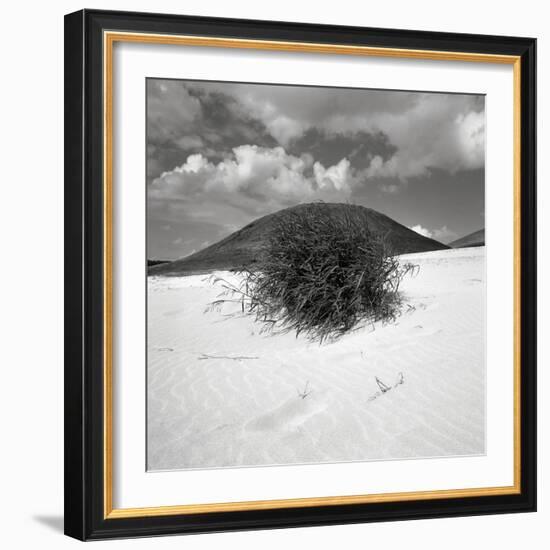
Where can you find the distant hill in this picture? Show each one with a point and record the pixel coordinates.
(244, 247)
(151, 263)
(477, 238)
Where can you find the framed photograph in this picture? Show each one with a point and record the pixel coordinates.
(300, 274)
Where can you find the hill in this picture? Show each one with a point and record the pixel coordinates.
(244, 247)
(477, 238)
(151, 263)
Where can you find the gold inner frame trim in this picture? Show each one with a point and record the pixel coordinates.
(109, 39)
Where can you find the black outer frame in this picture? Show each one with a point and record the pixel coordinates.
(84, 517)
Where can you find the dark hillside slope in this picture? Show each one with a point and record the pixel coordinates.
(244, 247)
(477, 238)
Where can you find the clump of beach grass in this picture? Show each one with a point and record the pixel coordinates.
(322, 273)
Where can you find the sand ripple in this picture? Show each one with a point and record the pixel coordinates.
(221, 394)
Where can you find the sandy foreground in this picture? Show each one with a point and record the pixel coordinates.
(222, 394)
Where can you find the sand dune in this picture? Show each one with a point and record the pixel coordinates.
(222, 394)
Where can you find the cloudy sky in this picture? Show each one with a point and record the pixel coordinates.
(222, 154)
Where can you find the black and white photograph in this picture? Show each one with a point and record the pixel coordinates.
(315, 274)
(273, 282)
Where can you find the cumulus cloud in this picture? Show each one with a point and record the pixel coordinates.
(443, 234)
(422, 131)
(428, 130)
(256, 179)
(422, 231)
(439, 132)
(284, 129)
(184, 119)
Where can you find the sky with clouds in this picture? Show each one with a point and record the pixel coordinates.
(220, 155)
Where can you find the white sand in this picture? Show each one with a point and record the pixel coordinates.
(221, 411)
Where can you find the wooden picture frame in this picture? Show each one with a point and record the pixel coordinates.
(90, 36)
